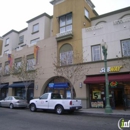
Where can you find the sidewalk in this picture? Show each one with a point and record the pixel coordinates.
(101, 112)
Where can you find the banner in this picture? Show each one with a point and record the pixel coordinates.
(10, 59)
(36, 48)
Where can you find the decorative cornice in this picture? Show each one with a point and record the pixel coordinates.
(94, 28)
(120, 21)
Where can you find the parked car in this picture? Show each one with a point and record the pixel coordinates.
(54, 101)
(13, 101)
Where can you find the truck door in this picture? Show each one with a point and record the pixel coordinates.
(43, 101)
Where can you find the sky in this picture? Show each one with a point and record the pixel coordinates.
(15, 13)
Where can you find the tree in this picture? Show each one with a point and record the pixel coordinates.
(72, 72)
(26, 71)
(125, 60)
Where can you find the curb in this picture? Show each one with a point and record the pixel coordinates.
(103, 114)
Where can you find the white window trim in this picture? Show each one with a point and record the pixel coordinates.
(35, 25)
(93, 53)
(127, 48)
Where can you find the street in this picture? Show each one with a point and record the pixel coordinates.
(23, 119)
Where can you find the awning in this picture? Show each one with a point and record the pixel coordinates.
(3, 85)
(58, 85)
(16, 85)
(101, 79)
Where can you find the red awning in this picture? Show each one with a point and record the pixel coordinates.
(101, 79)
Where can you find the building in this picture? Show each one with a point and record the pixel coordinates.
(1, 44)
(71, 38)
(114, 29)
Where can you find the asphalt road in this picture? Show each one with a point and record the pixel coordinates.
(23, 119)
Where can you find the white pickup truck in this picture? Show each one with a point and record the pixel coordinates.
(53, 101)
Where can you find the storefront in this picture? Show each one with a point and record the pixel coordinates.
(119, 90)
(19, 89)
(60, 86)
(3, 90)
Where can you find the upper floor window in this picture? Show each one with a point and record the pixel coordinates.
(96, 53)
(35, 28)
(18, 63)
(86, 13)
(21, 39)
(34, 41)
(66, 55)
(7, 42)
(6, 52)
(6, 69)
(66, 23)
(31, 62)
(125, 47)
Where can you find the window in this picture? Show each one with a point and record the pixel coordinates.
(66, 55)
(21, 39)
(33, 42)
(31, 62)
(96, 53)
(66, 23)
(6, 52)
(7, 42)
(17, 63)
(44, 96)
(35, 28)
(6, 70)
(125, 47)
(86, 13)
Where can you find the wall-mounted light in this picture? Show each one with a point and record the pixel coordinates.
(80, 84)
(36, 87)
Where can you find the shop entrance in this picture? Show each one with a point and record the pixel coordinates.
(116, 99)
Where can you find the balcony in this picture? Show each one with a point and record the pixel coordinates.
(64, 35)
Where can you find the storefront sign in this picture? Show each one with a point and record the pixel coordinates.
(113, 84)
(96, 94)
(111, 69)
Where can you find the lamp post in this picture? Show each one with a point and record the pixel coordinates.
(108, 108)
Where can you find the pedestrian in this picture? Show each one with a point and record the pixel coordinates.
(104, 101)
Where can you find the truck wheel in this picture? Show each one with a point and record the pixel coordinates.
(59, 109)
(11, 106)
(33, 107)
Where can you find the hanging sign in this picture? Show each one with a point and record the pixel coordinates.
(113, 84)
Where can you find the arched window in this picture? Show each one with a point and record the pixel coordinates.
(66, 54)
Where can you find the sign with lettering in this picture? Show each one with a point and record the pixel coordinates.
(111, 69)
(96, 94)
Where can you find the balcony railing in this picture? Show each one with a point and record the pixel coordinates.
(64, 35)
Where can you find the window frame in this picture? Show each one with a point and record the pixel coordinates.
(93, 54)
(30, 58)
(128, 51)
(68, 59)
(7, 42)
(36, 39)
(22, 41)
(65, 23)
(88, 15)
(35, 30)
(6, 72)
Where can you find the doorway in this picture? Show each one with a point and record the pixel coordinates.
(116, 99)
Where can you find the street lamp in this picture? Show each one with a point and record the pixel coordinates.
(108, 108)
